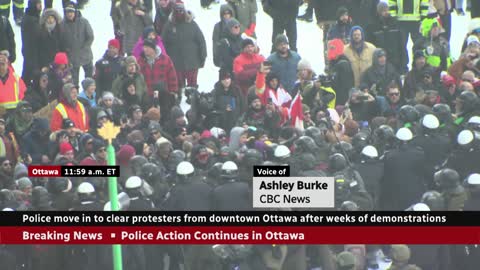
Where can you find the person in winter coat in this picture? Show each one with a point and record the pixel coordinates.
(39, 94)
(258, 115)
(384, 33)
(21, 121)
(78, 35)
(185, 44)
(164, 9)
(284, 63)
(341, 29)
(108, 68)
(403, 182)
(148, 32)
(160, 76)
(129, 19)
(130, 96)
(380, 74)
(227, 101)
(270, 91)
(59, 74)
(89, 95)
(434, 44)
(7, 38)
(245, 66)
(70, 107)
(12, 86)
(51, 39)
(229, 47)
(245, 11)
(284, 15)
(130, 71)
(35, 142)
(305, 76)
(414, 78)
(390, 104)
(359, 53)
(340, 69)
(362, 105)
(220, 30)
(30, 34)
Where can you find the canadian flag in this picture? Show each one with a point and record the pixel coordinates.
(296, 112)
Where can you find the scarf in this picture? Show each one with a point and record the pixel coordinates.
(50, 26)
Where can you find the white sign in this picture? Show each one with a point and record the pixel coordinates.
(293, 192)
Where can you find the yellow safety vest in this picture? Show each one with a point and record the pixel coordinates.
(61, 109)
(420, 10)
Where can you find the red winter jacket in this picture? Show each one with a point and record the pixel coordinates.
(163, 71)
(245, 67)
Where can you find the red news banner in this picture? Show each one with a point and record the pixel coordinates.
(258, 227)
(239, 235)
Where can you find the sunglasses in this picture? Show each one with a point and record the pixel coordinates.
(394, 94)
(6, 164)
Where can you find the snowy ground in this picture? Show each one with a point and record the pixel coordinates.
(310, 43)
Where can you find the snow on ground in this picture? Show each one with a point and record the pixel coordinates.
(310, 43)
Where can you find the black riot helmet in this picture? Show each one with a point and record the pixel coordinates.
(136, 162)
(215, 171)
(337, 162)
(174, 159)
(342, 148)
(384, 134)
(305, 144)
(359, 141)
(151, 173)
(447, 178)
(349, 206)
(442, 112)
(434, 200)
(252, 157)
(469, 101)
(227, 154)
(317, 135)
(408, 114)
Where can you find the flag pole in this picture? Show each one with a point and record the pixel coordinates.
(108, 131)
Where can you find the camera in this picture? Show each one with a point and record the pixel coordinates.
(325, 80)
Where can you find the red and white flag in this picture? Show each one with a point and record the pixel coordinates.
(296, 112)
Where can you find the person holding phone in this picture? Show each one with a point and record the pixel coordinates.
(361, 105)
(227, 101)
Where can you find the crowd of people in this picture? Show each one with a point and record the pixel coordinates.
(393, 137)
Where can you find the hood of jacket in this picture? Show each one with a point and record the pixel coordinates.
(189, 17)
(235, 138)
(223, 8)
(376, 55)
(32, 8)
(40, 124)
(50, 12)
(355, 28)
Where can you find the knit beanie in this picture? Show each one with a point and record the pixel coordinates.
(65, 147)
(150, 43)
(87, 83)
(231, 23)
(147, 30)
(61, 58)
(304, 64)
(23, 183)
(246, 42)
(114, 43)
(280, 38)
(341, 11)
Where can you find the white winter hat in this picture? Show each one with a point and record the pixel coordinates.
(304, 64)
(473, 40)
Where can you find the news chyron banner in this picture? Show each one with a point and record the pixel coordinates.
(287, 211)
(274, 188)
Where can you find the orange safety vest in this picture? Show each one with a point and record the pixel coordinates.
(9, 99)
(63, 112)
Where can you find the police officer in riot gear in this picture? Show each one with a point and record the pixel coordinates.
(359, 141)
(138, 202)
(87, 198)
(319, 138)
(436, 146)
(403, 181)
(408, 116)
(156, 178)
(472, 184)
(464, 159)
(466, 106)
(282, 155)
(251, 158)
(349, 184)
(191, 193)
(448, 181)
(232, 195)
(136, 162)
(383, 139)
(371, 169)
